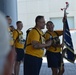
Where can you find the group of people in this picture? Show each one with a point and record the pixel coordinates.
(17, 42)
(36, 42)
(15, 54)
(32, 54)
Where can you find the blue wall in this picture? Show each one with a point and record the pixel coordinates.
(9, 7)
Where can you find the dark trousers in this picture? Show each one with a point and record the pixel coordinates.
(32, 65)
(20, 54)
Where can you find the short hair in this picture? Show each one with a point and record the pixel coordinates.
(11, 26)
(49, 22)
(38, 18)
(7, 16)
(18, 22)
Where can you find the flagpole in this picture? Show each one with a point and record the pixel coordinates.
(64, 19)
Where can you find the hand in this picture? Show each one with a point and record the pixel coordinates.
(49, 42)
(64, 19)
(61, 45)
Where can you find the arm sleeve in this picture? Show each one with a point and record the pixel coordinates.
(34, 36)
(60, 33)
(15, 35)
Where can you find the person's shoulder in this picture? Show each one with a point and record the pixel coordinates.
(15, 31)
(33, 31)
(47, 34)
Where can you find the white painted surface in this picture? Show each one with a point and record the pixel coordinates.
(29, 9)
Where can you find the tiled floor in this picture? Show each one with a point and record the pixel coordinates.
(70, 69)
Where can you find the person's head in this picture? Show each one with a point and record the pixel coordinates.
(9, 20)
(40, 22)
(19, 25)
(12, 28)
(50, 25)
